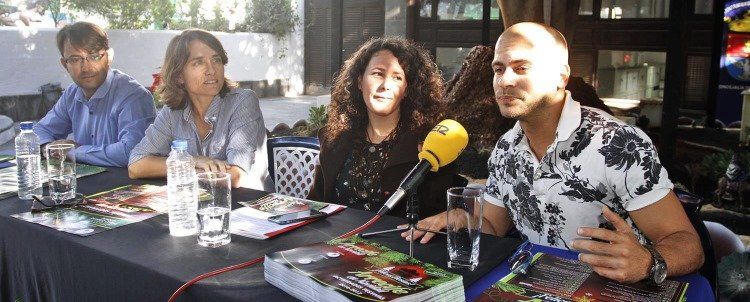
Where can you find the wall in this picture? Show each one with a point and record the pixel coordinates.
(30, 57)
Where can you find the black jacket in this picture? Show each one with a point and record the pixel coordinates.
(432, 192)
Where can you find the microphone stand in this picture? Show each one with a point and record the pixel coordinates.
(412, 216)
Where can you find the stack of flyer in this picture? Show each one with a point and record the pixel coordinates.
(556, 279)
(103, 211)
(354, 269)
(252, 219)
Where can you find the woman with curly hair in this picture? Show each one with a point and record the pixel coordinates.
(470, 99)
(384, 101)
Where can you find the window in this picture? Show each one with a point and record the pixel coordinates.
(425, 10)
(449, 60)
(494, 10)
(586, 8)
(697, 72)
(460, 10)
(630, 9)
(704, 7)
(630, 75)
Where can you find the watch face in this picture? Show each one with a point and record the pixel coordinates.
(660, 272)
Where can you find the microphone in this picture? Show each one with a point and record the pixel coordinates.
(441, 147)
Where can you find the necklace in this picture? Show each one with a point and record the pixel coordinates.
(361, 184)
(387, 137)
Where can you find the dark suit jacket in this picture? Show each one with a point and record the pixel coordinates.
(432, 192)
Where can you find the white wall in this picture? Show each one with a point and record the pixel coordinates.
(29, 57)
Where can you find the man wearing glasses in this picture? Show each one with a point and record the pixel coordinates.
(573, 177)
(106, 111)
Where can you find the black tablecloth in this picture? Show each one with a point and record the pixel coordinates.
(142, 262)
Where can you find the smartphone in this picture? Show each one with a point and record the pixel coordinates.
(296, 216)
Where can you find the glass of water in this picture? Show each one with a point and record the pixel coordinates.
(61, 170)
(464, 227)
(214, 207)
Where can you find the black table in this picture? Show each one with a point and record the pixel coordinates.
(142, 262)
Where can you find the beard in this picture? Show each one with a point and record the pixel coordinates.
(523, 108)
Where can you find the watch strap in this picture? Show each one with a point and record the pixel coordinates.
(656, 259)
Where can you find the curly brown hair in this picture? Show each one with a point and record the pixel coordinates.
(470, 99)
(171, 92)
(585, 94)
(420, 107)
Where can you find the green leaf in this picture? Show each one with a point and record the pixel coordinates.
(127, 14)
(271, 16)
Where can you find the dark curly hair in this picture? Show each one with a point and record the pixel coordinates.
(420, 106)
(470, 99)
(585, 94)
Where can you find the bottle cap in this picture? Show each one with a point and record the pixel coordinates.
(27, 125)
(179, 144)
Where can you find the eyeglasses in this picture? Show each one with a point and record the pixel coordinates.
(520, 262)
(46, 203)
(78, 60)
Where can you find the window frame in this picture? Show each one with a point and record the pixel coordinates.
(597, 7)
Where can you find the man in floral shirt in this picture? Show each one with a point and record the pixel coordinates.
(564, 165)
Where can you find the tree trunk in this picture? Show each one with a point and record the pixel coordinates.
(515, 11)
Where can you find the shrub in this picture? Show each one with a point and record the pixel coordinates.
(316, 120)
(276, 17)
(716, 164)
(127, 14)
(194, 19)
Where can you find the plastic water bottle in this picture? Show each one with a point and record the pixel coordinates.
(28, 162)
(182, 191)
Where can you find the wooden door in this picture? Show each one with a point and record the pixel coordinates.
(361, 20)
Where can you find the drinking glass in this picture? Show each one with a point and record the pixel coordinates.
(61, 170)
(464, 227)
(214, 207)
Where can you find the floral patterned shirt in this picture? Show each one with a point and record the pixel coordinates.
(595, 160)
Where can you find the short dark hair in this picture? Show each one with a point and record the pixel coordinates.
(172, 93)
(83, 35)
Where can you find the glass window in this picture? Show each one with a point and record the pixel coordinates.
(704, 7)
(494, 10)
(630, 75)
(425, 10)
(629, 9)
(449, 60)
(586, 8)
(460, 10)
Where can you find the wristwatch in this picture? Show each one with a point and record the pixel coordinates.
(658, 271)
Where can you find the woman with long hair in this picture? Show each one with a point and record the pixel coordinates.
(384, 101)
(221, 123)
